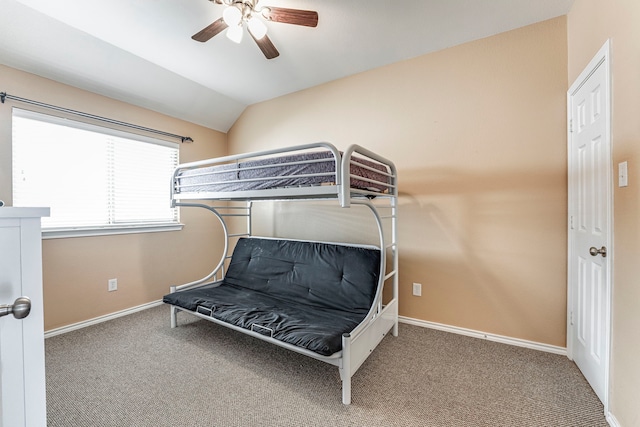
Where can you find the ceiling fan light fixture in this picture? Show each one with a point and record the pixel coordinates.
(237, 12)
(234, 33)
(232, 16)
(257, 27)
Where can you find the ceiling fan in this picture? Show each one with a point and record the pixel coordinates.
(240, 12)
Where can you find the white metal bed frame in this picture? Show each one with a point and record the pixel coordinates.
(382, 317)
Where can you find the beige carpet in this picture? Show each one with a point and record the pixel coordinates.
(137, 371)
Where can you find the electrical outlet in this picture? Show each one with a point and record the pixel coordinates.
(113, 285)
(417, 289)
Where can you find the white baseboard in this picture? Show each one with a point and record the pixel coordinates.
(486, 336)
(96, 320)
(612, 420)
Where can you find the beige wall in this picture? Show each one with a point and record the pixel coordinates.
(76, 270)
(590, 24)
(478, 133)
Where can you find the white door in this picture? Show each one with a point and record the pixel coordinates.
(590, 208)
(22, 374)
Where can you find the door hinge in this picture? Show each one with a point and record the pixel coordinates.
(571, 226)
(571, 318)
(571, 125)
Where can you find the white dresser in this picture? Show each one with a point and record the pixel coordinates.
(22, 371)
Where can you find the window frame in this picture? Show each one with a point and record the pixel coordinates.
(105, 229)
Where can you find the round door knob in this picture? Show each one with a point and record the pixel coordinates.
(20, 308)
(595, 251)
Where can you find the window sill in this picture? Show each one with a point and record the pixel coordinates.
(64, 233)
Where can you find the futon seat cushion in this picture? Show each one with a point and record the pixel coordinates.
(316, 329)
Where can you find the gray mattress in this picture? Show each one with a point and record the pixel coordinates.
(307, 169)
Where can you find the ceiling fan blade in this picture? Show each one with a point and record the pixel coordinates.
(308, 18)
(210, 31)
(266, 46)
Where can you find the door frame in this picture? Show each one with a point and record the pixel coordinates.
(602, 58)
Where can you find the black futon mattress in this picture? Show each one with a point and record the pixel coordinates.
(303, 293)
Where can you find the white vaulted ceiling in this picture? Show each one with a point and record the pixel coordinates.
(141, 51)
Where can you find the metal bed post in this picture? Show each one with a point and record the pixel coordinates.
(174, 310)
(394, 252)
(345, 200)
(393, 203)
(249, 222)
(345, 369)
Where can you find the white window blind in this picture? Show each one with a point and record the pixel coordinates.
(90, 176)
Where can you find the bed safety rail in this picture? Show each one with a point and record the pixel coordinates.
(385, 181)
(310, 169)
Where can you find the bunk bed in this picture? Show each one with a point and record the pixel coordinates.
(321, 299)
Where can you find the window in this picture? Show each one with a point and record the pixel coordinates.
(96, 180)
